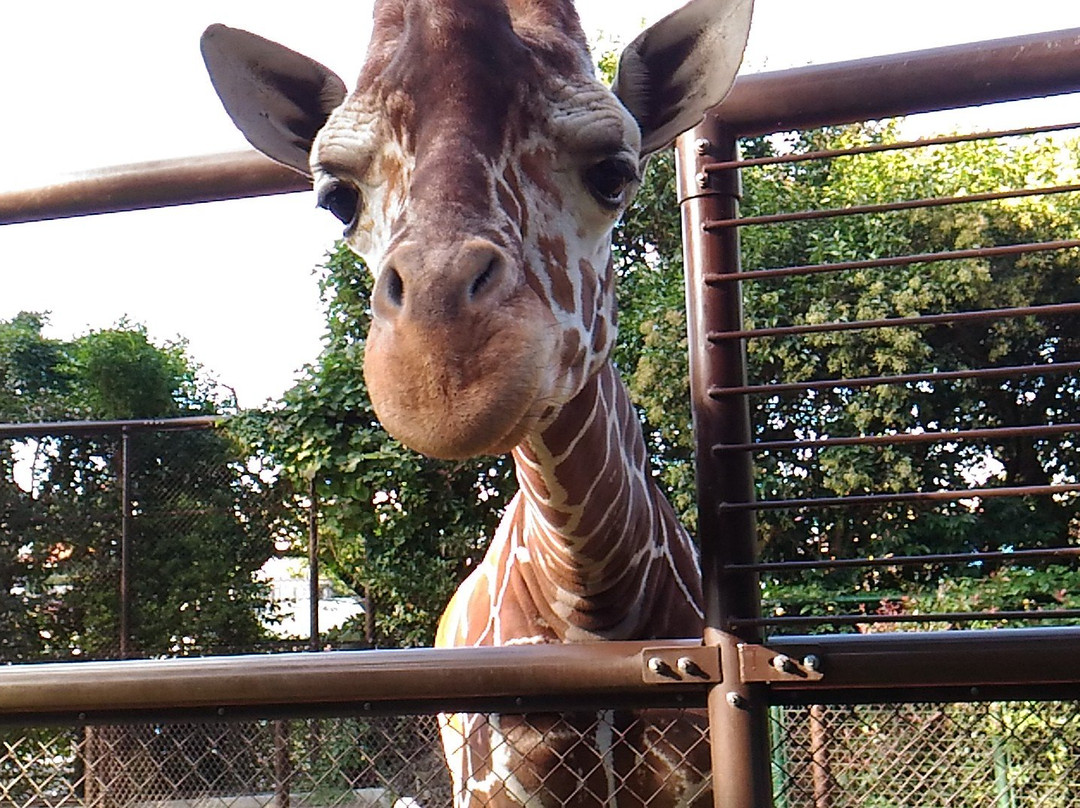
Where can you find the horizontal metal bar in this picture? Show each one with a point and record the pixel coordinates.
(909, 661)
(928, 617)
(156, 184)
(973, 74)
(533, 678)
(845, 92)
(418, 676)
(715, 279)
(992, 433)
(49, 428)
(1049, 310)
(874, 148)
(886, 207)
(907, 561)
(901, 378)
(902, 496)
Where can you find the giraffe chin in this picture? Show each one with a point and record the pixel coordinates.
(450, 421)
(430, 435)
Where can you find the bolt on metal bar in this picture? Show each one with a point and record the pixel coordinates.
(990, 433)
(892, 261)
(927, 617)
(901, 496)
(873, 148)
(930, 559)
(900, 378)
(888, 207)
(1049, 310)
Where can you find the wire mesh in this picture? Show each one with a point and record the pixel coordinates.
(139, 542)
(982, 755)
(966, 755)
(391, 761)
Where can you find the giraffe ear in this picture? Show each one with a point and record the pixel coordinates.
(276, 97)
(682, 66)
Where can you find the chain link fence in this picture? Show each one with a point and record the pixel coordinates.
(986, 755)
(136, 539)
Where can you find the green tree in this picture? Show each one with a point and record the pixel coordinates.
(199, 528)
(398, 528)
(654, 358)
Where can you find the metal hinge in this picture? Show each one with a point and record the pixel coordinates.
(693, 665)
(760, 664)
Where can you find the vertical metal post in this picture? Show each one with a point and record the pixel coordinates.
(125, 543)
(313, 565)
(283, 771)
(738, 714)
(821, 756)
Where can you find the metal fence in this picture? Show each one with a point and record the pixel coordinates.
(886, 718)
(127, 533)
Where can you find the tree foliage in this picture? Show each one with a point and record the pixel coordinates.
(654, 361)
(406, 529)
(193, 554)
(398, 528)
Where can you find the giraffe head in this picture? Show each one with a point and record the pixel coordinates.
(478, 168)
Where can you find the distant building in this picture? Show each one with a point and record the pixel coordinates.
(290, 594)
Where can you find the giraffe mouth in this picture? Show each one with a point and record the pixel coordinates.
(453, 393)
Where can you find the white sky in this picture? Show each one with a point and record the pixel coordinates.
(86, 85)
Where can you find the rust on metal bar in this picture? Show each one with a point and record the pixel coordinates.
(900, 378)
(928, 559)
(887, 207)
(161, 183)
(991, 433)
(874, 148)
(1049, 310)
(978, 73)
(902, 496)
(893, 261)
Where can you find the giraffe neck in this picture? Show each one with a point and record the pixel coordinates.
(606, 555)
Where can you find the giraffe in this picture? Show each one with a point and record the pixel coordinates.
(479, 167)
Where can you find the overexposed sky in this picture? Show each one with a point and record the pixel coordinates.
(86, 85)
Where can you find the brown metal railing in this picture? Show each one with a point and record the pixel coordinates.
(710, 191)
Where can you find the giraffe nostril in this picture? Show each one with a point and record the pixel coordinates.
(484, 280)
(395, 287)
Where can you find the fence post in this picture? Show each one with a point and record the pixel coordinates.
(125, 543)
(738, 714)
(313, 564)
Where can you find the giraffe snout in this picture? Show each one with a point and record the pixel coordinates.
(441, 285)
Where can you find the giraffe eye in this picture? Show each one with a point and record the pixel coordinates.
(609, 179)
(341, 199)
